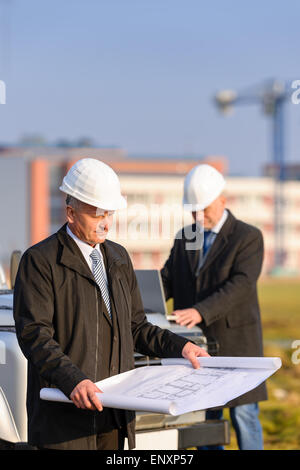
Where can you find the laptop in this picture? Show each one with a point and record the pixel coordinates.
(152, 292)
(154, 301)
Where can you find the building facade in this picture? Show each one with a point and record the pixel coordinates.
(154, 190)
(250, 199)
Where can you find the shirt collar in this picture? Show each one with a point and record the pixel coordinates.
(84, 247)
(219, 225)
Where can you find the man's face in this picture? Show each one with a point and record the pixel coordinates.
(211, 215)
(88, 223)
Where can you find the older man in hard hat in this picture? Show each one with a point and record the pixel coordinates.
(79, 318)
(213, 284)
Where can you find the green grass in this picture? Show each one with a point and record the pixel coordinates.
(280, 414)
(280, 309)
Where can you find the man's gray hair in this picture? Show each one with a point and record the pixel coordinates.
(72, 201)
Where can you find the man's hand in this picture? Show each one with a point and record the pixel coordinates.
(84, 396)
(188, 317)
(191, 351)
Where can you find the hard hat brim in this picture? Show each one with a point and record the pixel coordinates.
(110, 205)
(200, 207)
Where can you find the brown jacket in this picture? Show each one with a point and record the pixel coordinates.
(57, 314)
(224, 292)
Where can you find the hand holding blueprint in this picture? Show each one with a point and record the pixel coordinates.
(176, 388)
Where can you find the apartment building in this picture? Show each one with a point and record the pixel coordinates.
(250, 199)
(33, 207)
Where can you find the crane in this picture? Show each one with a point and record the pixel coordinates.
(271, 95)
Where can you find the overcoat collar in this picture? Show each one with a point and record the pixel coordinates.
(72, 257)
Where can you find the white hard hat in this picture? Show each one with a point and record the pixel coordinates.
(95, 183)
(202, 185)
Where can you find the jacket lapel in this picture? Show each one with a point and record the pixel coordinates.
(217, 247)
(220, 241)
(71, 256)
(192, 253)
(113, 260)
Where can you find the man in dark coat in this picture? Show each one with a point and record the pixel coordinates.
(215, 286)
(79, 318)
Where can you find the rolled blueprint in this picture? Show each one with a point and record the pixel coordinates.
(179, 388)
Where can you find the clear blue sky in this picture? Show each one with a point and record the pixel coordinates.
(141, 74)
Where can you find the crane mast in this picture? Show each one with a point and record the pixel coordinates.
(272, 96)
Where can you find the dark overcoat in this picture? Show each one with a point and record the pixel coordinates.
(224, 292)
(58, 320)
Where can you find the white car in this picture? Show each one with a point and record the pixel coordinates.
(13, 378)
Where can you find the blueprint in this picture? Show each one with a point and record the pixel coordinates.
(176, 387)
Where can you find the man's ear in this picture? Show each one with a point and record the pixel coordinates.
(70, 214)
(223, 199)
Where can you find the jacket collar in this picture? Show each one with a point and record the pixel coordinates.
(72, 257)
(220, 241)
(217, 247)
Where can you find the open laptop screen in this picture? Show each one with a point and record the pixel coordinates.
(151, 288)
(154, 301)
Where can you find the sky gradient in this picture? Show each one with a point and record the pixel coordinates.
(142, 74)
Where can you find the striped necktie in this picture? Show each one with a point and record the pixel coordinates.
(98, 273)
